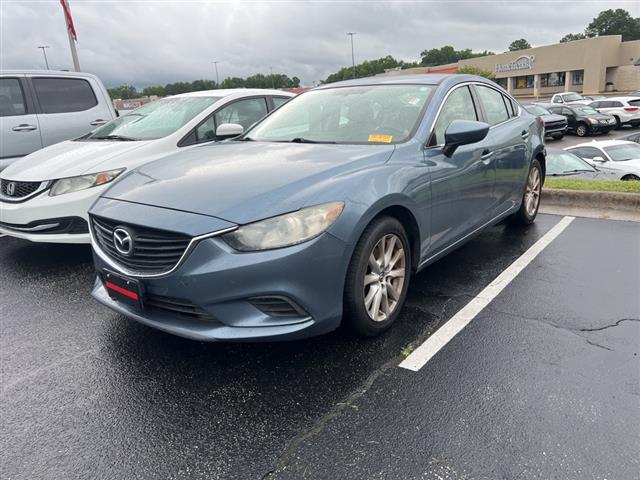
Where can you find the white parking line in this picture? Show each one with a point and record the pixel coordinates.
(421, 355)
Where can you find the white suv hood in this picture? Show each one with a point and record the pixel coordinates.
(71, 158)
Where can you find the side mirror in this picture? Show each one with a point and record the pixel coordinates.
(229, 130)
(598, 159)
(463, 132)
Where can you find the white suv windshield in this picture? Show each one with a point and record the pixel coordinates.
(359, 114)
(153, 120)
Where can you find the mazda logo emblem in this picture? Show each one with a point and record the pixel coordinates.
(11, 188)
(122, 241)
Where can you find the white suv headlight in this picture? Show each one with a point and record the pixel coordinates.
(285, 230)
(73, 184)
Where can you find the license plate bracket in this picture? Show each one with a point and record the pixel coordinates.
(123, 289)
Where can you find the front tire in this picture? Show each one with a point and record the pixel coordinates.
(378, 278)
(528, 211)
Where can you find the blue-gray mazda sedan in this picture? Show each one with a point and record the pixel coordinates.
(320, 213)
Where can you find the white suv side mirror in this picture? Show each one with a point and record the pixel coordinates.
(229, 130)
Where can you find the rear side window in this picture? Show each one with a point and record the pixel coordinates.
(277, 101)
(458, 106)
(615, 104)
(634, 103)
(11, 98)
(62, 95)
(493, 103)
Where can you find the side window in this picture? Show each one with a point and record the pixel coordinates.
(556, 110)
(244, 112)
(62, 95)
(566, 112)
(615, 104)
(277, 101)
(493, 104)
(557, 99)
(597, 105)
(511, 106)
(11, 98)
(458, 106)
(586, 152)
(206, 131)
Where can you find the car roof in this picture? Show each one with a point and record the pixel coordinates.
(54, 73)
(623, 98)
(420, 79)
(603, 143)
(225, 92)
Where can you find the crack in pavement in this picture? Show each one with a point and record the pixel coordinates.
(610, 326)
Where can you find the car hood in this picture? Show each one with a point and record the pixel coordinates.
(553, 117)
(246, 181)
(597, 116)
(70, 158)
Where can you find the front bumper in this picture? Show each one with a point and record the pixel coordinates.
(42, 210)
(600, 127)
(219, 281)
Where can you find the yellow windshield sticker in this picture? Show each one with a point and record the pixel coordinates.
(376, 137)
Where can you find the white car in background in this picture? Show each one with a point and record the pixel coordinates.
(569, 97)
(618, 157)
(45, 196)
(626, 110)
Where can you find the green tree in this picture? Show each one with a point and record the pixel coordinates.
(615, 22)
(153, 90)
(470, 70)
(520, 44)
(570, 37)
(448, 54)
(368, 68)
(123, 92)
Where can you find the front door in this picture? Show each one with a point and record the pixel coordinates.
(461, 185)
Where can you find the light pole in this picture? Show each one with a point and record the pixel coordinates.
(43, 47)
(272, 82)
(353, 58)
(215, 63)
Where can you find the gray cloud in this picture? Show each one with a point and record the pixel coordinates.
(156, 42)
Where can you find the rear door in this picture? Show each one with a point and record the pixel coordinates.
(68, 107)
(19, 129)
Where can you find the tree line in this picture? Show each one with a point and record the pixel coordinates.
(608, 22)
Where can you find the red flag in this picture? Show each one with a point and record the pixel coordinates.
(67, 16)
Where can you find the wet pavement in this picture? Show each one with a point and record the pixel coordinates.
(544, 383)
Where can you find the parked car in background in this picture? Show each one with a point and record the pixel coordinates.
(626, 110)
(323, 208)
(619, 157)
(45, 196)
(562, 163)
(632, 137)
(40, 108)
(570, 97)
(594, 97)
(584, 120)
(555, 125)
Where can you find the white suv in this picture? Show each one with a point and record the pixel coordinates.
(40, 108)
(626, 110)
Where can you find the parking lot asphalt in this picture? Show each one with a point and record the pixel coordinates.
(569, 140)
(544, 383)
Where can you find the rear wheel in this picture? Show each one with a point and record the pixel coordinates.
(581, 130)
(630, 177)
(378, 277)
(618, 124)
(531, 197)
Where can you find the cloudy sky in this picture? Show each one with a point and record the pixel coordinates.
(155, 42)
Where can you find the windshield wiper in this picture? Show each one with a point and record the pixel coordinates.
(577, 170)
(306, 140)
(121, 138)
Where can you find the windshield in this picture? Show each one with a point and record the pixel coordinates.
(564, 162)
(359, 114)
(586, 110)
(572, 97)
(621, 153)
(153, 120)
(536, 110)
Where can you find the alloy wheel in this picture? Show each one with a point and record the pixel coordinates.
(581, 130)
(384, 277)
(532, 193)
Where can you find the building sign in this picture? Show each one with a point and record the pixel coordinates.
(525, 62)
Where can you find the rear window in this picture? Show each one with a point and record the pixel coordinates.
(62, 95)
(634, 103)
(11, 98)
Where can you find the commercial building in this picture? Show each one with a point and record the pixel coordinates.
(589, 66)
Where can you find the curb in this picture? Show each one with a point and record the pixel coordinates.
(591, 200)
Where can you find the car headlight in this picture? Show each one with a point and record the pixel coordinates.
(593, 121)
(285, 230)
(73, 184)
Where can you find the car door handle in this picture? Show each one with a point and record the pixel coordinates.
(486, 157)
(24, 127)
(98, 121)
(524, 134)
